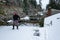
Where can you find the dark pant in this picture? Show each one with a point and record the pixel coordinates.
(14, 26)
(15, 23)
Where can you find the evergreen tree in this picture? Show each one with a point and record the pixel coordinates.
(33, 3)
(25, 7)
(40, 4)
(53, 4)
(7, 2)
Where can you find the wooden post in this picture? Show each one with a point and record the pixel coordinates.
(49, 12)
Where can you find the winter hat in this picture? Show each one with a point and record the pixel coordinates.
(15, 13)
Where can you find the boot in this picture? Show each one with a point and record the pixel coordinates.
(13, 27)
(17, 27)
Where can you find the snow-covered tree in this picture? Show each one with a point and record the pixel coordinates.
(55, 4)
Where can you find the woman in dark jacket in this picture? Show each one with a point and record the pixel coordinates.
(15, 20)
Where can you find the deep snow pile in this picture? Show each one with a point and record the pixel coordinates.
(52, 26)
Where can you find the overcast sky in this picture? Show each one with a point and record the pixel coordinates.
(44, 3)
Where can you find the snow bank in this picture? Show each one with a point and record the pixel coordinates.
(25, 18)
(52, 25)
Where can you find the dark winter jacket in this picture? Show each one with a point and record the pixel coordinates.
(16, 17)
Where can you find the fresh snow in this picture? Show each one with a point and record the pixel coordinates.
(25, 18)
(50, 31)
(52, 26)
(25, 32)
(10, 21)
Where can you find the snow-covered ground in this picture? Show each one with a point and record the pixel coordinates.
(52, 26)
(25, 32)
(50, 31)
